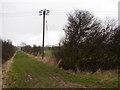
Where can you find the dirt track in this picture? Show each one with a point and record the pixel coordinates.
(5, 68)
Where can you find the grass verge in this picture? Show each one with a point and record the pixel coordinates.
(27, 72)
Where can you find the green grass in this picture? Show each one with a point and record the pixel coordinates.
(48, 53)
(44, 75)
(23, 66)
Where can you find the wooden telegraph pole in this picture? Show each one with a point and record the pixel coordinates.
(43, 12)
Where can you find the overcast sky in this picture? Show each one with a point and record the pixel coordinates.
(20, 20)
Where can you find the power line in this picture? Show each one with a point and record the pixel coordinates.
(47, 33)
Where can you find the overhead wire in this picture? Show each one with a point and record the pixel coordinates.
(34, 13)
(47, 40)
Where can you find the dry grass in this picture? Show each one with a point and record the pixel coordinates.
(107, 75)
(6, 67)
(48, 60)
(0, 76)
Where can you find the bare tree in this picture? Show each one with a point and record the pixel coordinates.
(87, 45)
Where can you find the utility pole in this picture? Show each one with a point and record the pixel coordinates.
(43, 12)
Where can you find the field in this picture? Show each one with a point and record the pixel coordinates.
(27, 72)
(48, 53)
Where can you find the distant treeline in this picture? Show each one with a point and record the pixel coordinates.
(89, 43)
(8, 50)
(36, 50)
(54, 48)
